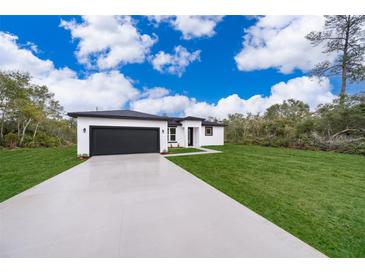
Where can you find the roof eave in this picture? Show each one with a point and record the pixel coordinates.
(76, 115)
(213, 125)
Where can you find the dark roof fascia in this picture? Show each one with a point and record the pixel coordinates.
(173, 124)
(171, 120)
(77, 114)
(213, 124)
(192, 118)
(204, 123)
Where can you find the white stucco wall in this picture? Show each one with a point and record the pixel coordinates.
(199, 135)
(197, 125)
(216, 139)
(179, 138)
(86, 122)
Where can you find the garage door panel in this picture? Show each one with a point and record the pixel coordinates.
(124, 140)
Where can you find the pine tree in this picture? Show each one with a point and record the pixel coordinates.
(343, 35)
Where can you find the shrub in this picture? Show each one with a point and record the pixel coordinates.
(28, 141)
(11, 139)
(42, 139)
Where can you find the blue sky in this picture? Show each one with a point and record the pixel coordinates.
(243, 61)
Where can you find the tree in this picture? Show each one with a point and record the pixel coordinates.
(291, 109)
(344, 36)
(26, 109)
(346, 118)
(12, 91)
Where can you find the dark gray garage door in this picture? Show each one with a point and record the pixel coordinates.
(123, 140)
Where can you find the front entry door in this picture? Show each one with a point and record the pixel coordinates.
(190, 136)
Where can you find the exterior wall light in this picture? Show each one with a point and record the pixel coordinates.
(163, 131)
(84, 130)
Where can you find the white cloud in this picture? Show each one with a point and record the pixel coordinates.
(158, 100)
(158, 19)
(12, 57)
(279, 42)
(171, 104)
(33, 47)
(311, 90)
(104, 90)
(155, 92)
(174, 63)
(191, 26)
(109, 90)
(109, 41)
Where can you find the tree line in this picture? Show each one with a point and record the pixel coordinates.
(337, 126)
(30, 116)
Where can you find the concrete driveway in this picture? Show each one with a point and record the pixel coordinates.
(136, 206)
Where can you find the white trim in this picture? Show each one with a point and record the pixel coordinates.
(169, 135)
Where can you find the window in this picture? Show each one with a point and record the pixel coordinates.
(208, 131)
(171, 134)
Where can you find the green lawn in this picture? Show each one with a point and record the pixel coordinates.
(23, 168)
(175, 150)
(317, 196)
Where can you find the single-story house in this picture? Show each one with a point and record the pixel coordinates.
(127, 131)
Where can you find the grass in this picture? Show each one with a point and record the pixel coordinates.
(317, 196)
(23, 168)
(175, 150)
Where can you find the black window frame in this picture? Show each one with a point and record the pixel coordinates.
(211, 131)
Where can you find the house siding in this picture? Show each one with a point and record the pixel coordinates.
(199, 135)
(179, 138)
(197, 132)
(217, 139)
